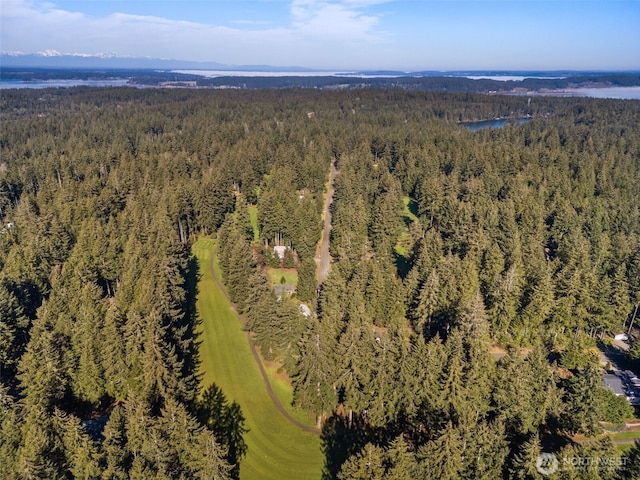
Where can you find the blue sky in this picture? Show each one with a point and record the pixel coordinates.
(337, 34)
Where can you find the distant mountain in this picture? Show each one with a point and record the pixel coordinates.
(55, 59)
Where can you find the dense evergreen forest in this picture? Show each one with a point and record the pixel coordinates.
(473, 275)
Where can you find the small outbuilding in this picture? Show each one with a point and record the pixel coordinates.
(280, 250)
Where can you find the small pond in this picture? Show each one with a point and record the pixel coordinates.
(495, 123)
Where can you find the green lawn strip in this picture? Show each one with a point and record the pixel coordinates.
(283, 390)
(404, 239)
(275, 275)
(408, 204)
(276, 448)
(626, 435)
(253, 216)
(623, 447)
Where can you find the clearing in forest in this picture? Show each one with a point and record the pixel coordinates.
(276, 275)
(253, 217)
(276, 448)
(405, 242)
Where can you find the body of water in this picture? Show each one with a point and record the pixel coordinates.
(626, 93)
(497, 123)
(257, 73)
(4, 84)
(506, 78)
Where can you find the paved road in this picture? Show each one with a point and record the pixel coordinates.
(615, 355)
(323, 259)
(256, 357)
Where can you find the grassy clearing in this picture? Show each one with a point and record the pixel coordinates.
(281, 386)
(405, 242)
(626, 435)
(410, 207)
(623, 448)
(277, 449)
(253, 216)
(275, 274)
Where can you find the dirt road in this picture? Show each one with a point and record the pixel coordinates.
(323, 259)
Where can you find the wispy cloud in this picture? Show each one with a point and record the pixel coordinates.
(342, 20)
(315, 29)
(335, 34)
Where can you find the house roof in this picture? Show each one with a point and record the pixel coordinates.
(613, 382)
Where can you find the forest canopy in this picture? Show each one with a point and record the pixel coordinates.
(447, 247)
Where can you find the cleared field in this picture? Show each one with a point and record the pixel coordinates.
(630, 435)
(253, 216)
(275, 275)
(410, 208)
(277, 449)
(405, 242)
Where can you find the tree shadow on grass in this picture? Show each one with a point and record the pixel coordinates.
(226, 422)
(342, 438)
(403, 265)
(192, 321)
(339, 442)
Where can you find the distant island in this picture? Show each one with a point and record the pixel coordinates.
(212, 75)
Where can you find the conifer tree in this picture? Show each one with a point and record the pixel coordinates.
(486, 450)
(10, 435)
(356, 352)
(454, 382)
(443, 458)
(366, 465)
(402, 462)
(307, 283)
(226, 422)
(631, 468)
(524, 463)
(82, 459)
(314, 379)
(506, 301)
(13, 324)
(114, 363)
(582, 408)
(89, 379)
(43, 367)
(117, 457)
(38, 455)
(427, 304)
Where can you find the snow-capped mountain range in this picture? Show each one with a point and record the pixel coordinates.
(56, 53)
(56, 59)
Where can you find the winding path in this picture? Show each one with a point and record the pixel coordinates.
(323, 259)
(256, 357)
